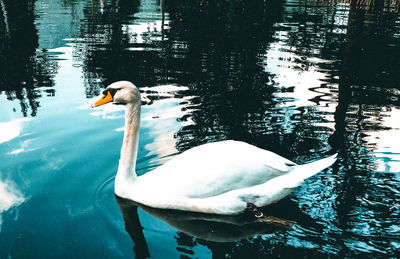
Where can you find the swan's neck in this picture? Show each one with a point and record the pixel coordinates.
(127, 163)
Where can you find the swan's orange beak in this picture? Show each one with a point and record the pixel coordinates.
(103, 100)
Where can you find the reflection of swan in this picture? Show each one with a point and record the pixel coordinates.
(134, 228)
(210, 227)
(220, 178)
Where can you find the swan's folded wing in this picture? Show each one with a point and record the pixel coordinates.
(217, 168)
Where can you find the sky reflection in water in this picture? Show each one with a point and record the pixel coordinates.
(300, 78)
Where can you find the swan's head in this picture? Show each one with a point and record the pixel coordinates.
(121, 92)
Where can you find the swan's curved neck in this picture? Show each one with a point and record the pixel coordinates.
(127, 162)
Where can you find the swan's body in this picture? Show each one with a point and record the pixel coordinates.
(220, 177)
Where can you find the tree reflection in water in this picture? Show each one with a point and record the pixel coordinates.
(367, 90)
(24, 70)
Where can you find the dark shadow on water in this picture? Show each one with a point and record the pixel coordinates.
(133, 227)
(213, 230)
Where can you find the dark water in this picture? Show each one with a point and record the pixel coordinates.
(300, 78)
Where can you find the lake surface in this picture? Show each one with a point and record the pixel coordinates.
(301, 78)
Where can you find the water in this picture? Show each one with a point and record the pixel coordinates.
(300, 78)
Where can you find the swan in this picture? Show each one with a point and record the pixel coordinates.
(223, 177)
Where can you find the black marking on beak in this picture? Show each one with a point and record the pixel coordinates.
(112, 91)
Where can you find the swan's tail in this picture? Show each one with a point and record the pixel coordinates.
(302, 172)
(279, 187)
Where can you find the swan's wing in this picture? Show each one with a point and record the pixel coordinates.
(216, 168)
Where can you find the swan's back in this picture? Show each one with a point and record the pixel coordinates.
(215, 168)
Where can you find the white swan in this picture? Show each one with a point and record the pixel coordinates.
(220, 178)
